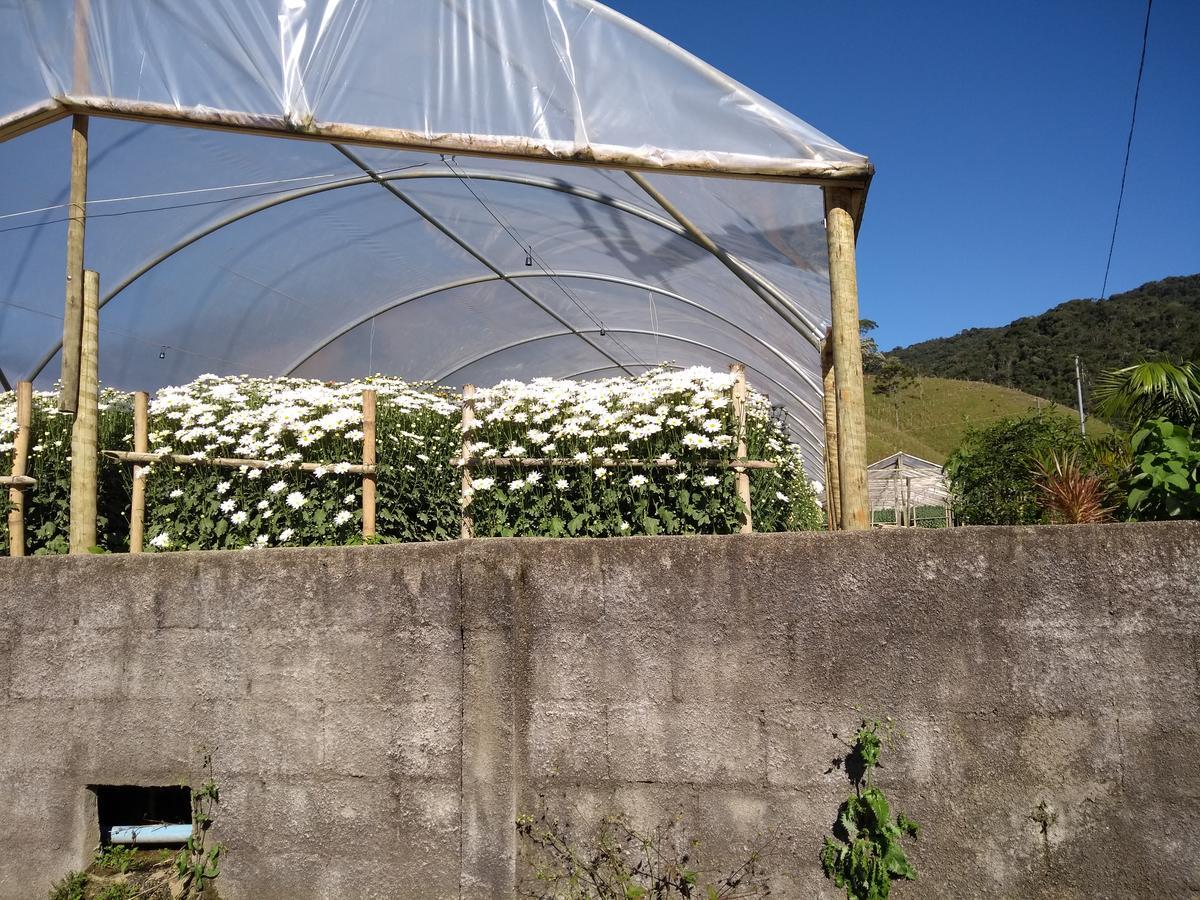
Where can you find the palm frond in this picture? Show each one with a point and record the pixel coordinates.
(1149, 390)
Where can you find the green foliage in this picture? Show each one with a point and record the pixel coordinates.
(1160, 319)
(71, 887)
(286, 421)
(1150, 390)
(892, 376)
(992, 473)
(118, 890)
(622, 863)
(1165, 476)
(930, 416)
(865, 854)
(115, 858)
(197, 863)
(48, 506)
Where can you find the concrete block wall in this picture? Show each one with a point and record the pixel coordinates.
(378, 716)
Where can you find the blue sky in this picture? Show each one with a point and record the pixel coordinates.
(998, 132)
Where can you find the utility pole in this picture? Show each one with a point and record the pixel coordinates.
(1079, 394)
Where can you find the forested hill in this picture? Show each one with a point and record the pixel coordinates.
(1159, 320)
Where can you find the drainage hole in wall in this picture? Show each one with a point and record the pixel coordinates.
(133, 814)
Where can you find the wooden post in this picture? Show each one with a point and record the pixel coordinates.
(741, 476)
(833, 488)
(468, 420)
(899, 519)
(84, 451)
(368, 458)
(847, 360)
(16, 494)
(141, 444)
(68, 396)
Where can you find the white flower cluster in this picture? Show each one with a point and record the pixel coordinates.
(663, 416)
(264, 418)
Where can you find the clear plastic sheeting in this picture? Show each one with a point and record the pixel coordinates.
(570, 77)
(230, 252)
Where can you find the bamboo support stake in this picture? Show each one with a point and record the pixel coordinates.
(847, 360)
(612, 462)
(368, 461)
(742, 477)
(833, 496)
(468, 422)
(84, 451)
(141, 443)
(16, 493)
(68, 396)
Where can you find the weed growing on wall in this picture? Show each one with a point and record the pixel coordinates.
(620, 862)
(197, 863)
(865, 855)
(684, 417)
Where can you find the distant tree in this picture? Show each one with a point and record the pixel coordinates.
(992, 472)
(892, 376)
(1159, 320)
(872, 358)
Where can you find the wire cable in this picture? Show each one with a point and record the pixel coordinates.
(150, 209)
(464, 178)
(1128, 147)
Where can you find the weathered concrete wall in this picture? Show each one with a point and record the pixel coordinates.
(379, 715)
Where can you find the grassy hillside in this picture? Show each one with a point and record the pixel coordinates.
(1159, 320)
(933, 413)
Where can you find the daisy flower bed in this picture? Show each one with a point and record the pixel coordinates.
(640, 455)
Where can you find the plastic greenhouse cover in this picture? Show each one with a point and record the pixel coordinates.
(231, 252)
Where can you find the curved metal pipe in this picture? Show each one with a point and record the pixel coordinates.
(640, 331)
(300, 193)
(591, 276)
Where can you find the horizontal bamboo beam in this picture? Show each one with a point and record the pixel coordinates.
(608, 462)
(31, 118)
(227, 462)
(725, 165)
(18, 481)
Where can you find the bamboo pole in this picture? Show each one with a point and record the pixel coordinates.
(468, 421)
(847, 360)
(611, 462)
(368, 461)
(141, 443)
(84, 452)
(794, 170)
(233, 462)
(23, 481)
(16, 493)
(833, 488)
(68, 395)
(742, 478)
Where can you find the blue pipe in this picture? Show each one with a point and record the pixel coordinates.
(149, 834)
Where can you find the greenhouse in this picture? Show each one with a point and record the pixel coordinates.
(459, 192)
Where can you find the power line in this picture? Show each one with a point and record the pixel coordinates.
(1128, 147)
